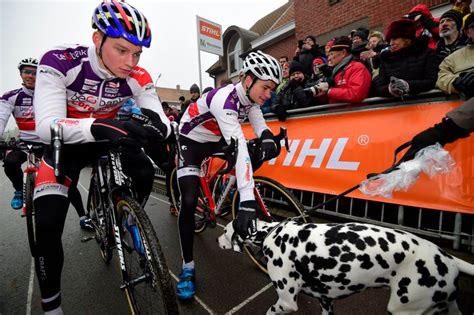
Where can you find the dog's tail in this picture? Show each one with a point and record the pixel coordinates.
(464, 266)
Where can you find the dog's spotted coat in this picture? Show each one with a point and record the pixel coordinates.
(331, 261)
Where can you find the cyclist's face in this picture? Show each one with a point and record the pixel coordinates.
(118, 55)
(28, 75)
(261, 90)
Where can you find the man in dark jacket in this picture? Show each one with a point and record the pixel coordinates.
(408, 66)
(452, 38)
(307, 53)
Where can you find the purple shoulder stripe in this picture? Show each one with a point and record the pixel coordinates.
(64, 59)
(9, 94)
(232, 101)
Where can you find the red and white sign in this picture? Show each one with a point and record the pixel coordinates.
(209, 36)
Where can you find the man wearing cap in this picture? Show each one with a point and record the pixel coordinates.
(350, 79)
(195, 92)
(452, 38)
(456, 72)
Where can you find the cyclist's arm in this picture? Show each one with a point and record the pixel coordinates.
(257, 121)
(50, 104)
(6, 109)
(230, 127)
(145, 95)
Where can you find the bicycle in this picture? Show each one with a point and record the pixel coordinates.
(29, 177)
(121, 223)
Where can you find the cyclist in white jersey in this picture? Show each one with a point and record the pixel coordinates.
(207, 125)
(82, 88)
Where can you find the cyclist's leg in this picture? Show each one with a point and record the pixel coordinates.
(12, 164)
(51, 203)
(140, 169)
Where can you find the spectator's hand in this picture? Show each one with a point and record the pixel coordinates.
(367, 54)
(270, 149)
(246, 222)
(280, 111)
(427, 22)
(155, 128)
(398, 87)
(464, 82)
(293, 83)
(297, 51)
(321, 88)
(444, 132)
(326, 70)
(129, 133)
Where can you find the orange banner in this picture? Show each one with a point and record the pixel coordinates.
(331, 152)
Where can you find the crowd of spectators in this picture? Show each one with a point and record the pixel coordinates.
(414, 54)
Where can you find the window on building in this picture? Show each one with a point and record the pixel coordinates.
(234, 62)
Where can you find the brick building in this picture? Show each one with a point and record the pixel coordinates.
(277, 32)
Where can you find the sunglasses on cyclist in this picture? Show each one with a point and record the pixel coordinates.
(27, 72)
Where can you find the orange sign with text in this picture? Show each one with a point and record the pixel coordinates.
(332, 152)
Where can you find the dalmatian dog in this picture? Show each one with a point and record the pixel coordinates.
(332, 261)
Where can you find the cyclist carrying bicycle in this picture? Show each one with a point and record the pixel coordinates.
(82, 88)
(206, 126)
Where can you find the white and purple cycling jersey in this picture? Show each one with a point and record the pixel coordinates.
(73, 89)
(218, 114)
(19, 103)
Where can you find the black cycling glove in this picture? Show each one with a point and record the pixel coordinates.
(246, 222)
(270, 149)
(119, 132)
(152, 123)
(444, 132)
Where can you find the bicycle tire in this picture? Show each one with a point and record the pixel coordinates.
(30, 211)
(201, 214)
(102, 228)
(276, 197)
(174, 189)
(217, 190)
(155, 294)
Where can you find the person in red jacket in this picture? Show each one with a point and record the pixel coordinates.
(427, 27)
(350, 80)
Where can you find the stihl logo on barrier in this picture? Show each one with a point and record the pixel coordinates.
(303, 150)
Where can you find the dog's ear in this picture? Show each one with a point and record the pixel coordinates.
(260, 237)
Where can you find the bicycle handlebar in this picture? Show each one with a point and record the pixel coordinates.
(19, 145)
(228, 153)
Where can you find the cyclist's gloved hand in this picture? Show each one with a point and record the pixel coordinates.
(246, 222)
(444, 132)
(128, 133)
(270, 149)
(152, 123)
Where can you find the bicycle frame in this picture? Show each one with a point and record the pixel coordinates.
(31, 167)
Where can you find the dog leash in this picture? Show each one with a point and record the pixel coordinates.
(369, 176)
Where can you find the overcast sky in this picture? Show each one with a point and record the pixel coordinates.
(29, 28)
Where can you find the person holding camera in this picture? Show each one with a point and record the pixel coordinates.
(350, 80)
(306, 52)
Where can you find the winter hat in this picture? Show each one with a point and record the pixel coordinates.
(403, 28)
(342, 43)
(467, 20)
(361, 34)
(454, 15)
(194, 88)
(311, 37)
(295, 66)
(331, 42)
(318, 61)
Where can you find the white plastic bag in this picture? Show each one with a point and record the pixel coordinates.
(431, 160)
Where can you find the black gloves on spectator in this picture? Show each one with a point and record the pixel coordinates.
(152, 123)
(293, 83)
(128, 133)
(280, 111)
(270, 149)
(428, 23)
(465, 83)
(444, 132)
(246, 222)
(398, 87)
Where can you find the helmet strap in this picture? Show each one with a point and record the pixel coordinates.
(104, 37)
(248, 90)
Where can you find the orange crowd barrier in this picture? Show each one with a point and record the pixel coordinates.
(331, 152)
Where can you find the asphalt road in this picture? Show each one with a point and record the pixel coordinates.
(227, 282)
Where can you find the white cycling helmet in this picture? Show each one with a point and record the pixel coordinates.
(31, 62)
(263, 66)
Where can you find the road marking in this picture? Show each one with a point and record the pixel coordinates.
(30, 287)
(249, 299)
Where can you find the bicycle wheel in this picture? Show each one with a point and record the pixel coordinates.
(174, 189)
(100, 221)
(278, 201)
(202, 215)
(147, 282)
(30, 211)
(218, 190)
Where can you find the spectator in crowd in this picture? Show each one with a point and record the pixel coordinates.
(427, 27)
(207, 89)
(350, 79)
(375, 45)
(359, 43)
(456, 72)
(283, 60)
(321, 71)
(306, 54)
(183, 109)
(462, 6)
(195, 92)
(452, 38)
(170, 112)
(292, 95)
(181, 101)
(328, 46)
(408, 66)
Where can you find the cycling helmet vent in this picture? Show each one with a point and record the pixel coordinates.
(119, 19)
(263, 66)
(31, 62)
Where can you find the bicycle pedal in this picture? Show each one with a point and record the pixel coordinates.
(87, 238)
